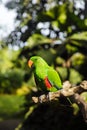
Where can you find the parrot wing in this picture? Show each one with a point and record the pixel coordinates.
(53, 81)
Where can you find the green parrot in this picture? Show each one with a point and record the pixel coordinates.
(45, 76)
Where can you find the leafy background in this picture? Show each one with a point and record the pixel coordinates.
(55, 30)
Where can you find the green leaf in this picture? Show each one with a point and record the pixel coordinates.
(58, 13)
(75, 20)
(78, 41)
(71, 49)
(37, 39)
(84, 96)
(79, 36)
(77, 59)
(75, 76)
(63, 72)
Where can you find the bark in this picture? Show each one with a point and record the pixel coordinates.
(55, 112)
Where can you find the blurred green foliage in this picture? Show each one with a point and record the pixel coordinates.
(11, 106)
(54, 30)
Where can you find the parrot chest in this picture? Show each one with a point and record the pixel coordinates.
(39, 76)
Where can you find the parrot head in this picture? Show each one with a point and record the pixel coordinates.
(35, 61)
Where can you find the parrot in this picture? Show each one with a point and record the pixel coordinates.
(46, 78)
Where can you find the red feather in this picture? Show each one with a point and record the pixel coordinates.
(47, 83)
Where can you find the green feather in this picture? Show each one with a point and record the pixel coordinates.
(54, 79)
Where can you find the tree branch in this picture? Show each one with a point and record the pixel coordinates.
(68, 90)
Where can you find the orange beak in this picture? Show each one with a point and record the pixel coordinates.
(30, 63)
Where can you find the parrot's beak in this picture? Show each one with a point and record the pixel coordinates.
(30, 63)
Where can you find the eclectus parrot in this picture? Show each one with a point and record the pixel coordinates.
(45, 76)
